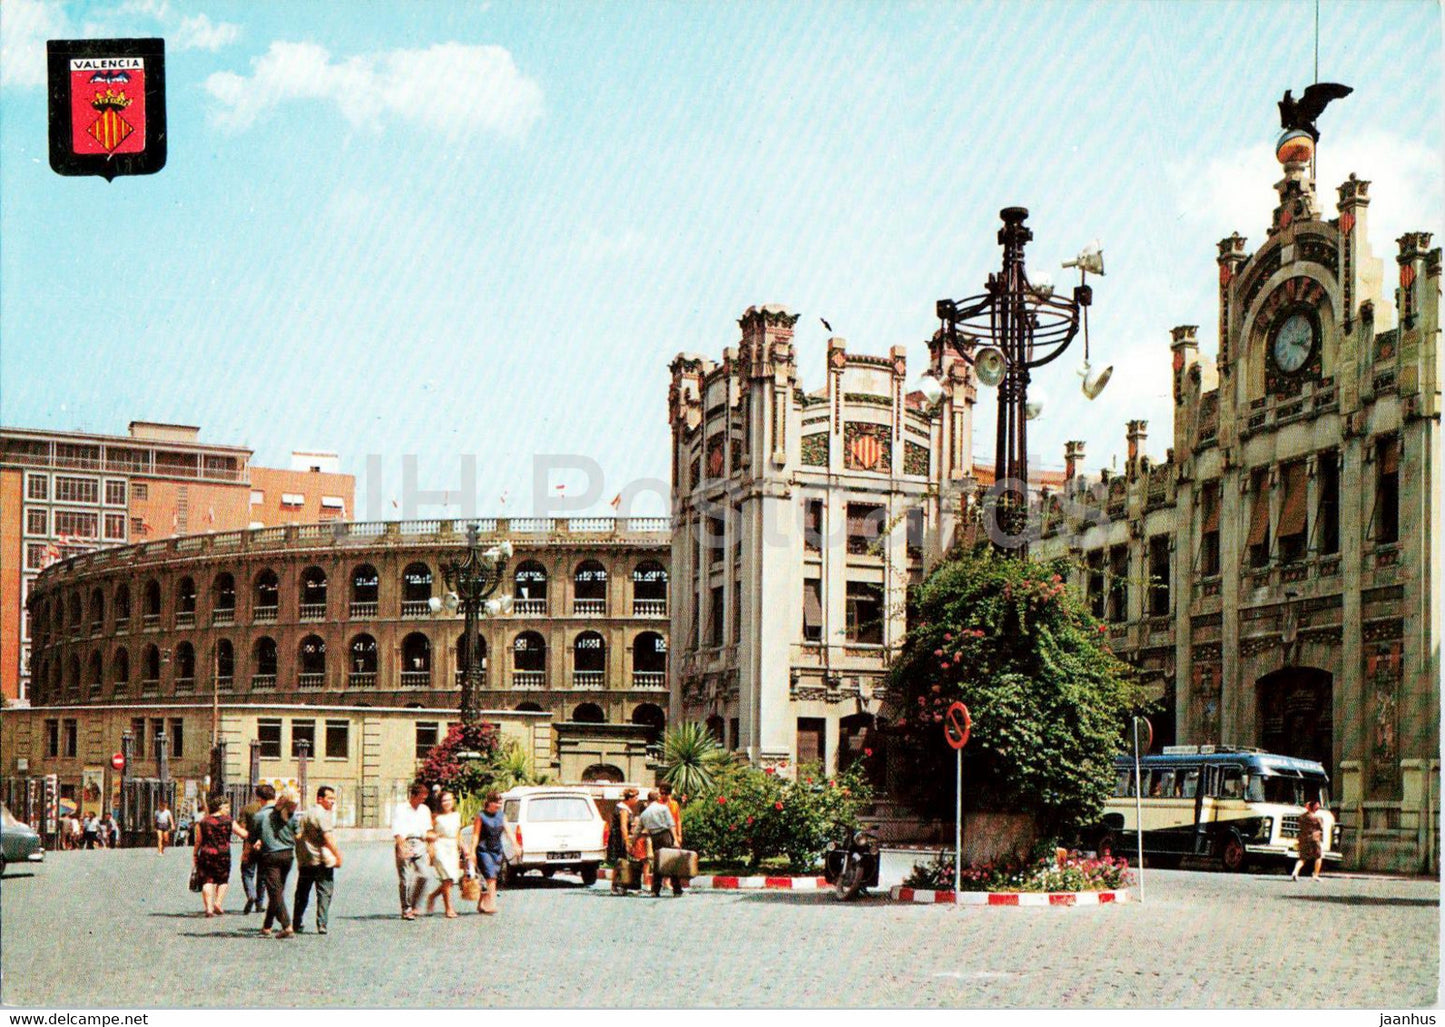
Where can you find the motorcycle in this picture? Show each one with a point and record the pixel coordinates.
(850, 863)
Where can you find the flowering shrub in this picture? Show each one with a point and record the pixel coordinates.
(755, 815)
(1076, 873)
(468, 776)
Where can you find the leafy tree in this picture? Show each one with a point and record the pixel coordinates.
(1048, 698)
(692, 759)
(451, 763)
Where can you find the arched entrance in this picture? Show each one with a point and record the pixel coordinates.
(1296, 714)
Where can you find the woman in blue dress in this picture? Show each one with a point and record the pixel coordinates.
(488, 830)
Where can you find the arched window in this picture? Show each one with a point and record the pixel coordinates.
(185, 602)
(120, 670)
(651, 716)
(122, 607)
(603, 772)
(365, 591)
(185, 664)
(589, 713)
(268, 597)
(97, 611)
(311, 662)
(151, 604)
(223, 599)
(263, 660)
(649, 590)
(589, 586)
(225, 662)
(528, 707)
(529, 661)
(151, 668)
(76, 615)
(313, 594)
(415, 660)
(649, 661)
(72, 680)
(462, 663)
(416, 582)
(716, 729)
(589, 661)
(529, 588)
(363, 661)
(95, 676)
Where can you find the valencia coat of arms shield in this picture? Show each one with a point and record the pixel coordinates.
(107, 106)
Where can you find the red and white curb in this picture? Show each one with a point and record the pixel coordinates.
(724, 883)
(981, 898)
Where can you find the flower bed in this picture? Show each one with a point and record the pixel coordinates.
(1073, 873)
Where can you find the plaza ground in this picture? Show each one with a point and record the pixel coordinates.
(89, 929)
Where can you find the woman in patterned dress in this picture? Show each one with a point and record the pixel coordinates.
(1311, 841)
(213, 853)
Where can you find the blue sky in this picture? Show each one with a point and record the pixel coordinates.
(485, 228)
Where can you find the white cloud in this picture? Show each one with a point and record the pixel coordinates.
(25, 25)
(199, 33)
(451, 88)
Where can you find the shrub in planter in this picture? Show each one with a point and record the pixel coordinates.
(1075, 873)
(751, 816)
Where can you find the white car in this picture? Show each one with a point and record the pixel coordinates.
(551, 829)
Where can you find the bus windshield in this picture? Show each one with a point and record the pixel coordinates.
(1287, 791)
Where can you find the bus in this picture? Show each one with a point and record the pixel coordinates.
(1226, 803)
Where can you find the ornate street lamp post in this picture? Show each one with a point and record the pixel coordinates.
(1004, 333)
(471, 581)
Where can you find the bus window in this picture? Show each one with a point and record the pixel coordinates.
(1231, 783)
(1190, 782)
(1123, 783)
(1163, 785)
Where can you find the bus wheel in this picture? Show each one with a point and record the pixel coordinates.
(1106, 845)
(1233, 857)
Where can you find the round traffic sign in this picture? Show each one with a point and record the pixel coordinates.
(956, 725)
(118, 761)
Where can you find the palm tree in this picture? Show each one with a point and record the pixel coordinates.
(691, 758)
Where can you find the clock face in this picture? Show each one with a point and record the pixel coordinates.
(1294, 341)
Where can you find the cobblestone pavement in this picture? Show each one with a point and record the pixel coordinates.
(120, 928)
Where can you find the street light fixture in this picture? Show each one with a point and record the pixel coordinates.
(1021, 324)
(471, 581)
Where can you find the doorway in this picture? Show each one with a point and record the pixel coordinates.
(1296, 714)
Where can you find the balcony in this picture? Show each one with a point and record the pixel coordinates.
(416, 679)
(263, 682)
(150, 620)
(184, 685)
(649, 607)
(75, 631)
(222, 617)
(481, 681)
(122, 625)
(94, 691)
(185, 618)
(264, 614)
(531, 680)
(589, 607)
(649, 680)
(589, 680)
(313, 611)
(362, 679)
(366, 611)
(121, 690)
(530, 607)
(224, 683)
(310, 682)
(150, 686)
(416, 608)
(96, 627)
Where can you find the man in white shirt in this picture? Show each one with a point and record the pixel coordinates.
(410, 824)
(656, 822)
(317, 857)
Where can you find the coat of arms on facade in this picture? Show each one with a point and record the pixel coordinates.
(107, 106)
(867, 447)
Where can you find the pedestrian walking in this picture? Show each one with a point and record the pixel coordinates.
(275, 844)
(411, 822)
(165, 824)
(251, 880)
(92, 831)
(73, 831)
(317, 859)
(488, 830)
(212, 853)
(1311, 841)
(446, 855)
(620, 841)
(657, 824)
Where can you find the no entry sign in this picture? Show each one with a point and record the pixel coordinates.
(118, 761)
(956, 725)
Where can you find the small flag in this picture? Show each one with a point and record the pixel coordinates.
(616, 501)
(560, 488)
(504, 495)
(394, 505)
(211, 515)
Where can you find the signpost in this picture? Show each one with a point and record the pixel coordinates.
(1138, 796)
(956, 726)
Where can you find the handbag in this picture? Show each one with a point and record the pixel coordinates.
(471, 886)
(195, 878)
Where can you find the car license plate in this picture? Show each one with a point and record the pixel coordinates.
(564, 855)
